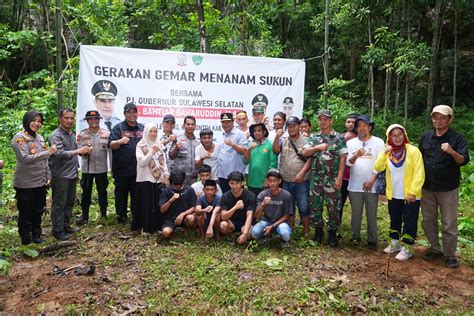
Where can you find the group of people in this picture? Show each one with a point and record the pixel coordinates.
(251, 183)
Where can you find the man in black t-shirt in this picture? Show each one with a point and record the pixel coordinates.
(275, 205)
(123, 142)
(177, 204)
(237, 207)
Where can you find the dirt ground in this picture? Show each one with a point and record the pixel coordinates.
(32, 287)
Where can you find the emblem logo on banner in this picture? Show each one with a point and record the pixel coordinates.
(181, 60)
(197, 60)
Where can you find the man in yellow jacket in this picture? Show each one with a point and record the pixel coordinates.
(405, 173)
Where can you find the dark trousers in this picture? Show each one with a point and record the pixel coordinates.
(147, 208)
(101, 183)
(405, 214)
(64, 197)
(30, 203)
(224, 184)
(344, 195)
(124, 185)
(255, 191)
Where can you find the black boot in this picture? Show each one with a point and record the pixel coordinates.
(332, 238)
(318, 235)
(84, 218)
(103, 212)
(36, 227)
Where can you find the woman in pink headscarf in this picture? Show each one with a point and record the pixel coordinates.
(405, 174)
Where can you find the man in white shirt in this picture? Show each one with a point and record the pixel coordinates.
(362, 153)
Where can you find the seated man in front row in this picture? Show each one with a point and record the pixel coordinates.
(237, 207)
(204, 173)
(276, 206)
(207, 209)
(177, 203)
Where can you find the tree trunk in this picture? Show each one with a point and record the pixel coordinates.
(397, 94)
(388, 76)
(202, 26)
(244, 28)
(455, 52)
(371, 73)
(405, 102)
(283, 33)
(353, 61)
(439, 12)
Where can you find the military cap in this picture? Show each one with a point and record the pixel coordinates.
(104, 89)
(92, 114)
(260, 100)
(169, 118)
(226, 117)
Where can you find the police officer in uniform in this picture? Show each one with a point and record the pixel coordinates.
(31, 176)
(94, 166)
(105, 92)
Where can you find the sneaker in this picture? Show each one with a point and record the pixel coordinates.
(285, 244)
(393, 247)
(355, 241)
(451, 263)
(403, 255)
(264, 241)
(431, 254)
(372, 246)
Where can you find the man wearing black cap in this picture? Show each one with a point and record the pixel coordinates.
(104, 92)
(231, 152)
(123, 141)
(328, 150)
(94, 165)
(363, 152)
(294, 169)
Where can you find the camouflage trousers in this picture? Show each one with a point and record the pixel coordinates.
(321, 195)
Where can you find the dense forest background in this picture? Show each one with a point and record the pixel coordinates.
(391, 59)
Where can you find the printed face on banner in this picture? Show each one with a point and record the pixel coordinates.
(182, 84)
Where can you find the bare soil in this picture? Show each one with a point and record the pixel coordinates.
(32, 287)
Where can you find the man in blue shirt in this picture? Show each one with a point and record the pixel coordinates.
(231, 152)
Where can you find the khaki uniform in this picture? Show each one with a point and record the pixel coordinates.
(32, 156)
(97, 161)
(30, 179)
(94, 167)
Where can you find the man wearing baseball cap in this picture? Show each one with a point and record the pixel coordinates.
(94, 165)
(123, 142)
(328, 151)
(444, 151)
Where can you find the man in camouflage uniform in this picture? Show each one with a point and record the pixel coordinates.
(328, 150)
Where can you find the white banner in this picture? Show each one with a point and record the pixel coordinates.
(180, 83)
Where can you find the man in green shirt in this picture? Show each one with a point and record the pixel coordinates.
(260, 157)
